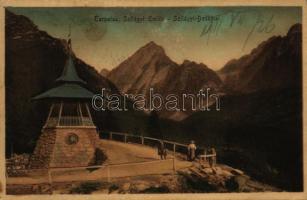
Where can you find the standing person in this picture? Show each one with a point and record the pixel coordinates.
(164, 153)
(213, 152)
(191, 151)
(212, 158)
(161, 150)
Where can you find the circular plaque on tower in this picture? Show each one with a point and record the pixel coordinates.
(72, 138)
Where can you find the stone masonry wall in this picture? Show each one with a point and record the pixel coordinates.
(43, 150)
(74, 155)
(54, 150)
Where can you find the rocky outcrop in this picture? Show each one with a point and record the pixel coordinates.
(17, 165)
(222, 178)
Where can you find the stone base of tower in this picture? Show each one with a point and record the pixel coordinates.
(65, 147)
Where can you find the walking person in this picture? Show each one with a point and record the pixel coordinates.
(191, 151)
(162, 150)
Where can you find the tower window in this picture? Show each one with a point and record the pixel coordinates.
(72, 138)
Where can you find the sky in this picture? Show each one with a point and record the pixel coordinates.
(224, 33)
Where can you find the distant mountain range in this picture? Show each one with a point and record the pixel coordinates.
(275, 63)
(149, 67)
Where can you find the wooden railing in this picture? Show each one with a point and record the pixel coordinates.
(106, 172)
(69, 121)
(107, 168)
(175, 147)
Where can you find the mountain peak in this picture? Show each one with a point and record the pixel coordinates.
(187, 63)
(152, 44)
(104, 72)
(153, 47)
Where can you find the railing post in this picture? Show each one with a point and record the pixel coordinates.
(125, 138)
(214, 159)
(142, 138)
(174, 158)
(50, 180)
(174, 149)
(174, 165)
(110, 135)
(108, 173)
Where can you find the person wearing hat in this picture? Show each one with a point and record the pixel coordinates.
(191, 151)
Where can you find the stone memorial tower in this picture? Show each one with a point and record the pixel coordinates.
(69, 137)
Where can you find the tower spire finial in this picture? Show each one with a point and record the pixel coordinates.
(69, 30)
(69, 39)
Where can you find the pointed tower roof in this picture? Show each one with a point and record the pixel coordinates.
(69, 73)
(70, 85)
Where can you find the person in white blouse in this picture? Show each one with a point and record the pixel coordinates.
(191, 151)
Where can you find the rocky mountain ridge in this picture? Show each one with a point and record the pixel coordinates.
(150, 67)
(273, 64)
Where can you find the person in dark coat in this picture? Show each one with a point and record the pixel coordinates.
(161, 150)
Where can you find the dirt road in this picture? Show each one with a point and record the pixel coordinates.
(124, 160)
